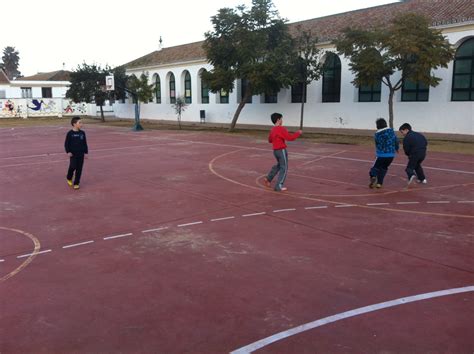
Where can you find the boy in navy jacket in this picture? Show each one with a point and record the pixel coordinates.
(414, 145)
(75, 146)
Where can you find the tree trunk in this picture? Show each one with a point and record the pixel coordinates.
(390, 107)
(302, 107)
(102, 114)
(239, 109)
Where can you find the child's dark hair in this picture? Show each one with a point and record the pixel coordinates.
(381, 123)
(405, 126)
(74, 120)
(275, 117)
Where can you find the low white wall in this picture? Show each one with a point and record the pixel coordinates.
(25, 108)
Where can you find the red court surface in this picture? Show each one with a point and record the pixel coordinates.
(172, 245)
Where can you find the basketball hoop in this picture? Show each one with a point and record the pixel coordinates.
(109, 83)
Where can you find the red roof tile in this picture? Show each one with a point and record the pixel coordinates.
(3, 77)
(60, 75)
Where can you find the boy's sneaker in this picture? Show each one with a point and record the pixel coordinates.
(411, 179)
(373, 182)
(266, 182)
(76, 186)
(283, 189)
(69, 182)
(423, 181)
(378, 185)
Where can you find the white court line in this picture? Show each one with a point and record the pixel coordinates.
(158, 229)
(439, 202)
(283, 210)
(2, 260)
(226, 218)
(191, 223)
(373, 204)
(466, 201)
(406, 203)
(254, 214)
(117, 236)
(344, 205)
(78, 244)
(343, 315)
(317, 207)
(33, 254)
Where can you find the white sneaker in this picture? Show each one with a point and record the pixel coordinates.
(423, 182)
(411, 179)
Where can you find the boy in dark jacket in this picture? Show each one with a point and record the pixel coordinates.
(75, 146)
(414, 145)
(386, 145)
(278, 136)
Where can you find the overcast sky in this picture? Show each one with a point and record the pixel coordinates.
(49, 33)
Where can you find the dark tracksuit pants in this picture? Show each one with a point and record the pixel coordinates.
(414, 165)
(380, 168)
(281, 168)
(75, 165)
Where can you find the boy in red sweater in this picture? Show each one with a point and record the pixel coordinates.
(278, 136)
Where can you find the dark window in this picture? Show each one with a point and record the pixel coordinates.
(172, 89)
(415, 91)
(463, 76)
(204, 92)
(332, 79)
(244, 88)
(47, 92)
(158, 89)
(271, 97)
(224, 96)
(297, 93)
(187, 88)
(370, 93)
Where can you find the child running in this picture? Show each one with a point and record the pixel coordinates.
(386, 145)
(414, 145)
(76, 147)
(278, 136)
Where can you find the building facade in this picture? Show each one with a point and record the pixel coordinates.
(447, 108)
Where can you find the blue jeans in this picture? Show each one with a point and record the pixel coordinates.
(380, 168)
(281, 168)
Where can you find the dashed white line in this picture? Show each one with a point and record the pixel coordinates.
(439, 202)
(157, 229)
(78, 244)
(221, 219)
(190, 224)
(2, 260)
(254, 214)
(466, 201)
(117, 236)
(374, 204)
(317, 207)
(283, 210)
(31, 254)
(344, 205)
(406, 203)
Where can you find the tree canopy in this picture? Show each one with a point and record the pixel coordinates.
(407, 46)
(251, 44)
(11, 61)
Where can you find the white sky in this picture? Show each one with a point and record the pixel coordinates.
(49, 33)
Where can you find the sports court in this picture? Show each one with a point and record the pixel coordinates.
(173, 245)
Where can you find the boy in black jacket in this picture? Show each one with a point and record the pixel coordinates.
(414, 145)
(76, 147)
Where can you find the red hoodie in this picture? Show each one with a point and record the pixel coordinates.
(278, 135)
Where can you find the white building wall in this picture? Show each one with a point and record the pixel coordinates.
(438, 115)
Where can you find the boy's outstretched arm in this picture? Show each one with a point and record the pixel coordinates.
(290, 137)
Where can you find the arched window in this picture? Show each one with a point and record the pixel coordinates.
(172, 89)
(370, 93)
(223, 96)
(187, 87)
(463, 76)
(158, 88)
(415, 91)
(297, 93)
(244, 86)
(204, 90)
(332, 79)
